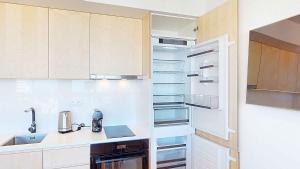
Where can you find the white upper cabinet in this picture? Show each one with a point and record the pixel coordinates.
(116, 45)
(68, 44)
(23, 42)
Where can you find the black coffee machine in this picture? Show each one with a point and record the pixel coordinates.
(97, 121)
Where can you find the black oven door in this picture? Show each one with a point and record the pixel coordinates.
(137, 162)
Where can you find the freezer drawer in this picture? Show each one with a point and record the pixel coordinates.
(171, 158)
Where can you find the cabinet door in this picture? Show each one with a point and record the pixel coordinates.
(66, 157)
(68, 44)
(268, 74)
(254, 62)
(30, 160)
(298, 79)
(287, 75)
(23, 41)
(115, 45)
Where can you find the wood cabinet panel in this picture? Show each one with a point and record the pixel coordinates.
(287, 73)
(268, 74)
(68, 44)
(30, 160)
(23, 42)
(66, 157)
(253, 62)
(298, 78)
(115, 45)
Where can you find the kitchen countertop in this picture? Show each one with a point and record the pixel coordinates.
(55, 140)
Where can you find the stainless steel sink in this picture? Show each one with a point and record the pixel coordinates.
(25, 139)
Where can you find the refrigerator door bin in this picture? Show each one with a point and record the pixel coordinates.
(202, 101)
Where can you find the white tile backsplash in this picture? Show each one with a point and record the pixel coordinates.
(118, 100)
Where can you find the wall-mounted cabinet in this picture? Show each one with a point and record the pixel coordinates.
(68, 44)
(23, 42)
(253, 63)
(43, 43)
(116, 45)
(271, 68)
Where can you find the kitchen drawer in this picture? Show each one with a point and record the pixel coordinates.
(24, 160)
(66, 157)
(78, 167)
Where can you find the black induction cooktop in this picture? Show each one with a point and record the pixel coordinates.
(118, 131)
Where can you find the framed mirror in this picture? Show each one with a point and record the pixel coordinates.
(274, 65)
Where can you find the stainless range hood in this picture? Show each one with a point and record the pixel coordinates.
(116, 77)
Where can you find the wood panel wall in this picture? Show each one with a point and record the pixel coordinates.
(219, 21)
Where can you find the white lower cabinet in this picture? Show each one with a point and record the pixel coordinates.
(67, 158)
(78, 167)
(24, 160)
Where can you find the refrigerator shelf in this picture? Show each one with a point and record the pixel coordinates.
(168, 60)
(171, 122)
(166, 116)
(168, 72)
(166, 142)
(170, 108)
(168, 83)
(167, 103)
(202, 53)
(171, 161)
(173, 166)
(171, 146)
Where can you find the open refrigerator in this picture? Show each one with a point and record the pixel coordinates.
(189, 91)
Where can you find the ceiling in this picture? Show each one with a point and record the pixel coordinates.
(295, 19)
(287, 30)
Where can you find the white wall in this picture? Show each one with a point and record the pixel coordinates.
(269, 137)
(118, 100)
(184, 7)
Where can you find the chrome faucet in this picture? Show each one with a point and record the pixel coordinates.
(32, 128)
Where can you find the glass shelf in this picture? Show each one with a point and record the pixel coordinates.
(169, 78)
(168, 83)
(168, 60)
(165, 116)
(170, 89)
(202, 101)
(169, 72)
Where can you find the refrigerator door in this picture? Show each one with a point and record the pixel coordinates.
(208, 99)
(206, 155)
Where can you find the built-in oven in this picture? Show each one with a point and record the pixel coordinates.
(120, 155)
